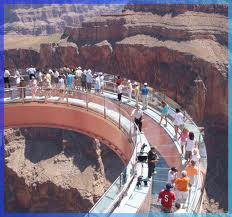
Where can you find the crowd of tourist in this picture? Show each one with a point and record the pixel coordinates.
(86, 80)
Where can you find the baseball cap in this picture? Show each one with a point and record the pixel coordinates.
(169, 186)
(129, 81)
(145, 84)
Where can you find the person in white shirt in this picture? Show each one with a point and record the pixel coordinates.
(138, 115)
(31, 71)
(102, 82)
(189, 146)
(61, 86)
(55, 75)
(6, 78)
(17, 78)
(178, 121)
(172, 175)
(195, 156)
(129, 90)
(78, 75)
(97, 84)
(89, 80)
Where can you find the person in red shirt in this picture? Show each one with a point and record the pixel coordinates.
(167, 197)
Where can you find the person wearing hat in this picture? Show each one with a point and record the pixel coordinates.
(129, 90)
(182, 185)
(167, 198)
(172, 175)
(144, 94)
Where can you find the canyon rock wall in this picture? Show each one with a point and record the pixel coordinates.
(182, 51)
(42, 176)
(37, 19)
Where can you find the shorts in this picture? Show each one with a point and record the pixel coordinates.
(164, 114)
(166, 210)
(83, 84)
(182, 143)
(7, 80)
(181, 196)
(188, 154)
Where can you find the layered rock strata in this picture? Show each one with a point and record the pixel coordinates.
(42, 177)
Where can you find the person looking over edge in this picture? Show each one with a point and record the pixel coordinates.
(167, 198)
(138, 115)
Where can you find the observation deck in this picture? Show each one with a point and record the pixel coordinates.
(103, 117)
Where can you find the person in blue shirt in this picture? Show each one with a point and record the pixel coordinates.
(70, 79)
(164, 113)
(144, 94)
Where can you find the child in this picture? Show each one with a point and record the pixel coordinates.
(183, 138)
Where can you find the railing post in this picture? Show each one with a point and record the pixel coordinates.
(22, 92)
(86, 99)
(119, 117)
(104, 107)
(45, 100)
(67, 97)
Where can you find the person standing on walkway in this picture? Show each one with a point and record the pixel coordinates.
(138, 115)
(172, 175)
(89, 80)
(33, 87)
(119, 91)
(178, 121)
(192, 171)
(152, 159)
(6, 78)
(182, 187)
(183, 138)
(136, 91)
(102, 82)
(129, 90)
(164, 113)
(190, 144)
(144, 94)
(196, 156)
(167, 198)
(83, 81)
(97, 84)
